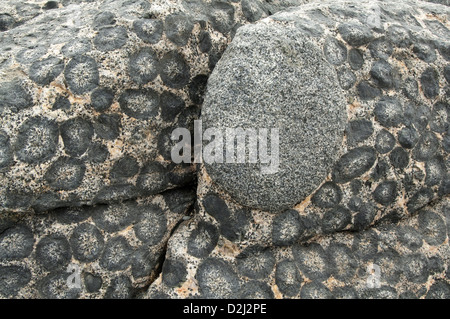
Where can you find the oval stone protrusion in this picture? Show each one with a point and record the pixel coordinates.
(273, 76)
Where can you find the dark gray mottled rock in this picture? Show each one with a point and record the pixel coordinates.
(381, 48)
(312, 261)
(217, 279)
(288, 278)
(399, 158)
(381, 72)
(408, 137)
(13, 279)
(174, 273)
(426, 147)
(385, 141)
(65, 173)
(367, 91)
(389, 112)
(356, 59)
(385, 193)
(425, 52)
(353, 164)
(37, 140)
(359, 130)
(336, 219)
(287, 228)
(148, 30)
(255, 262)
(355, 34)
(430, 83)
(6, 22)
(328, 195)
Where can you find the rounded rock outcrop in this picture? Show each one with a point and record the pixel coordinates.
(274, 77)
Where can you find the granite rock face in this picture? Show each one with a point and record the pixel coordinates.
(377, 225)
(116, 249)
(272, 77)
(96, 87)
(89, 93)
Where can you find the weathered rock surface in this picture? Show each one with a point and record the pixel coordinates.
(391, 161)
(89, 93)
(95, 88)
(222, 260)
(116, 248)
(91, 90)
(384, 201)
(273, 77)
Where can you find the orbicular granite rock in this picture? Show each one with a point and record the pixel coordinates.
(92, 205)
(111, 251)
(373, 222)
(89, 94)
(273, 77)
(94, 90)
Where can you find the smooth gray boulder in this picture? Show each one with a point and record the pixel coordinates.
(272, 76)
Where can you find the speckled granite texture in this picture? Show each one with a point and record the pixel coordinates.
(90, 92)
(382, 203)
